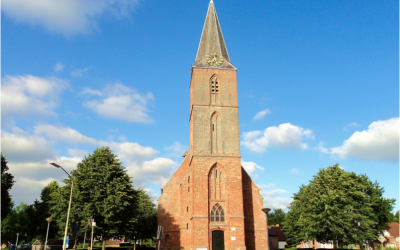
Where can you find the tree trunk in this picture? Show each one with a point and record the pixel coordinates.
(104, 245)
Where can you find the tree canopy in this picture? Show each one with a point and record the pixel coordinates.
(7, 181)
(396, 217)
(101, 190)
(337, 206)
(277, 216)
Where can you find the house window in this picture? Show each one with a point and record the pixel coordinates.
(187, 208)
(187, 226)
(217, 213)
(166, 238)
(189, 179)
(188, 189)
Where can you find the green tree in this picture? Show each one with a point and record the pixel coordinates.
(277, 216)
(146, 217)
(38, 212)
(16, 222)
(396, 217)
(337, 206)
(101, 190)
(7, 181)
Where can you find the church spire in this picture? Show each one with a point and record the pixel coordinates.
(212, 51)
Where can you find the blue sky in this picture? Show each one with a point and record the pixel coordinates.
(317, 83)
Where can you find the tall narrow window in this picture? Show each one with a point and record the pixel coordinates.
(216, 134)
(187, 226)
(217, 213)
(188, 189)
(189, 179)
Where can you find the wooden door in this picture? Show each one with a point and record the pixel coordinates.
(218, 240)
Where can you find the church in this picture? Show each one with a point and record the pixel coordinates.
(210, 202)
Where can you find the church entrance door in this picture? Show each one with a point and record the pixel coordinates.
(218, 240)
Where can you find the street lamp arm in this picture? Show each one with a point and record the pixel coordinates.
(66, 172)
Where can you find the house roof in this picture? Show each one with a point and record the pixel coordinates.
(271, 233)
(394, 229)
(278, 231)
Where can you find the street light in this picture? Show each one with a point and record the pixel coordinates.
(16, 244)
(69, 206)
(47, 234)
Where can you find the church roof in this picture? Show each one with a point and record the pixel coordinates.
(212, 52)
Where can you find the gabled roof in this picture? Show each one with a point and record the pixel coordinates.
(212, 52)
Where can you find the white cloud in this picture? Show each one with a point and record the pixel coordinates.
(66, 17)
(251, 168)
(79, 72)
(379, 142)
(30, 95)
(350, 126)
(29, 156)
(158, 171)
(58, 67)
(122, 103)
(294, 171)
(176, 150)
(285, 135)
(25, 148)
(261, 114)
(273, 197)
(63, 134)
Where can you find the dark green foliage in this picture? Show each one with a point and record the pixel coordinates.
(277, 216)
(7, 181)
(146, 226)
(101, 190)
(337, 206)
(396, 217)
(31, 219)
(16, 222)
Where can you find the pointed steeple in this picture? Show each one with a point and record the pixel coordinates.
(212, 52)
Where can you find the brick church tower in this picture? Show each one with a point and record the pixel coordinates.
(210, 203)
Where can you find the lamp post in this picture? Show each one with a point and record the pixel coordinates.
(47, 234)
(16, 244)
(93, 224)
(69, 206)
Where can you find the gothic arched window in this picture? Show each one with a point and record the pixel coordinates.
(217, 213)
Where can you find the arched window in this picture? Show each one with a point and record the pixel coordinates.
(217, 213)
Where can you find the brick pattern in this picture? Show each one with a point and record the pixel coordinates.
(190, 194)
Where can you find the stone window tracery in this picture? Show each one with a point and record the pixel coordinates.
(217, 213)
